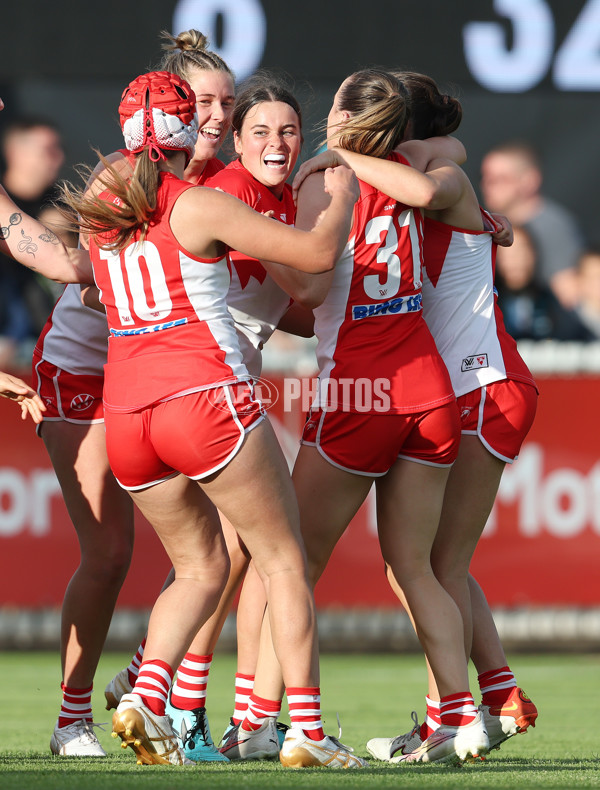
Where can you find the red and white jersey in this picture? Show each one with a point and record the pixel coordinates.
(75, 337)
(170, 330)
(460, 307)
(371, 326)
(210, 169)
(255, 301)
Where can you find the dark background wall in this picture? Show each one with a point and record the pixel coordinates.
(528, 69)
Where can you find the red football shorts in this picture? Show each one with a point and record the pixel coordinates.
(71, 397)
(195, 434)
(370, 444)
(501, 415)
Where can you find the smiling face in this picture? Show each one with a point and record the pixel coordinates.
(269, 143)
(214, 99)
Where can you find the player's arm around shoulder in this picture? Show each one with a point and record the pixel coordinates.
(309, 290)
(203, 217)
(455, 201)
(421, 152)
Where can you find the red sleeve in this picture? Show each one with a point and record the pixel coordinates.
(235, 182)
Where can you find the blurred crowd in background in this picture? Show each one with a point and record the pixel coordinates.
(548, 281)
(32, 155)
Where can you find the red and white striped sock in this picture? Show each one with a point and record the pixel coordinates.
(432, 718)
(134, 666)
(76, 705)
(457, 709)
(153, 684)
(304, 705)
(496, 685)
(189, 689)
(260, 709)
(243, 690)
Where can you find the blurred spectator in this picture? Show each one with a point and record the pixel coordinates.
(32, 155)
(588, 307)
(511, 182)
(530, 309)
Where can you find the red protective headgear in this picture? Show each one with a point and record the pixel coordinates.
(158, 110)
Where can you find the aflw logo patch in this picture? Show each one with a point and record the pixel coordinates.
(474, 362)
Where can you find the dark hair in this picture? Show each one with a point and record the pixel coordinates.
(379, 108)
(263, 86)
(25, 123)
(592, 250)
(433, 114)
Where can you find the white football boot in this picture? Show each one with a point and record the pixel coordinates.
(450, 744)
(116, 688)
(260, 744)
(386, 748)
(76, 740)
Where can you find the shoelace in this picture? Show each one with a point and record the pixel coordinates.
(88, 726)
(338, 740)
(415, 719)
(201, 724)
(400, 740)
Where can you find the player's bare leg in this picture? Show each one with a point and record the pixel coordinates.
(282, 567)
(188, 526)
(102, 515)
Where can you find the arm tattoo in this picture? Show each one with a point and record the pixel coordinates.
(49, 237)
(27, 243)
(15, 219)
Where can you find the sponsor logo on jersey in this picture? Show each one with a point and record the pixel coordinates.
(474, 363)
(144, 330)
(82, 402)
(409, 304)
(390, 207)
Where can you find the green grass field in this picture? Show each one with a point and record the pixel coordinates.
(374, 696)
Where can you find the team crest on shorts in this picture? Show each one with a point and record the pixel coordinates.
(474, 362)
(82, 402)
